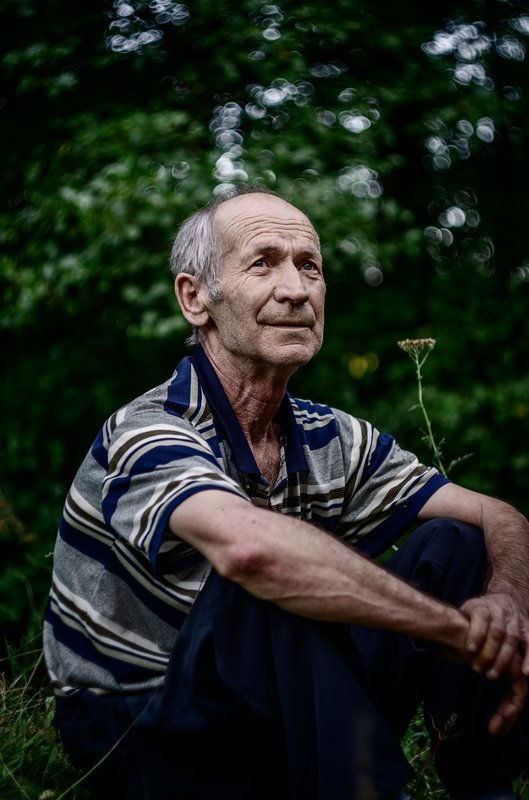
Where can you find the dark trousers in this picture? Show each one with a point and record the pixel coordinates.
(261, 703)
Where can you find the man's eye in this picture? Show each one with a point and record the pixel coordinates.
(259, 263)
(309, 266)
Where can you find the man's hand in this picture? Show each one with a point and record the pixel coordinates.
(498, 631)
(498, 645)
(512, 702)
(497, 638)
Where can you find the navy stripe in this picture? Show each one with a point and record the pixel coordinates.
(228, 426)
(161, 527)
(85, 543)
(177, 399)
(383, 448)
(328, 523)
(102, 553)
(158, 456)
(122, 671)
(99, 451)
(325, 429)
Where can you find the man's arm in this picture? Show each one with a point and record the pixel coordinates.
(506, 535)
(502, 612)
(308, 572)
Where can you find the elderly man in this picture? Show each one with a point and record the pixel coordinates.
(217, 626)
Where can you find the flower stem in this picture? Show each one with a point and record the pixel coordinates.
(437, 456)
(419, 350)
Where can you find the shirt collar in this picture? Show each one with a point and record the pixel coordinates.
(228, 425)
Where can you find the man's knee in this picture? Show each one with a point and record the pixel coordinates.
(445, 539)
(446, 558)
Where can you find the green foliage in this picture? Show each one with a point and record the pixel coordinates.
(400, 130)
(416, 748)
(33, 765)
(425, 784)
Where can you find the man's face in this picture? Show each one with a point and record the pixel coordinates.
(271, 314)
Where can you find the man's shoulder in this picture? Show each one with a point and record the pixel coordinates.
(179, 398)
(177, 403)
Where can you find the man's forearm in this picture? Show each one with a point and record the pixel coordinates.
(499, 618)
(507, 539)
(506, 534)
(310, 573)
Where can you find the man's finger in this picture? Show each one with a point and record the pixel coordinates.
(479, 620)
(525, 652)
(485, 659)
(509, 708)
(503, 660)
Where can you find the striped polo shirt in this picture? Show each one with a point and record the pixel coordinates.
(123, 583)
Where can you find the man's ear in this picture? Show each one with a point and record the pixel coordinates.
(191, 294)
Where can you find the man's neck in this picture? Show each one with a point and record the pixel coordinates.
(254, 395)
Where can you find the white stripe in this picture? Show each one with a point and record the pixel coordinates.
(115, 638)
(313, 421)
(143, 529)
(160, 436)
(194, 410)
(358, 462)
(148, 581)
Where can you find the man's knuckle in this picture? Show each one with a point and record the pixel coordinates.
(497, 632)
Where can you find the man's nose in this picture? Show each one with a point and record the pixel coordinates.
(291, 285)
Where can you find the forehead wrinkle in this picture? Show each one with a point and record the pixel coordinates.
(269, 231)
(266, 247)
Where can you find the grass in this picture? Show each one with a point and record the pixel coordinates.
(33, 765)
(417, 750)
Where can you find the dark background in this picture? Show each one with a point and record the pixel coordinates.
(401, 129)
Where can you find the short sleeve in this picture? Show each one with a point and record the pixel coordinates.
(385, 487)
(154, 464)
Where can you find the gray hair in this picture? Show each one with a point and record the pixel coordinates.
(198, 248)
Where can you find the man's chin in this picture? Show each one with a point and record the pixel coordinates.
(295, 354)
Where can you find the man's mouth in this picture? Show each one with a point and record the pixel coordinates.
(288, 324)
